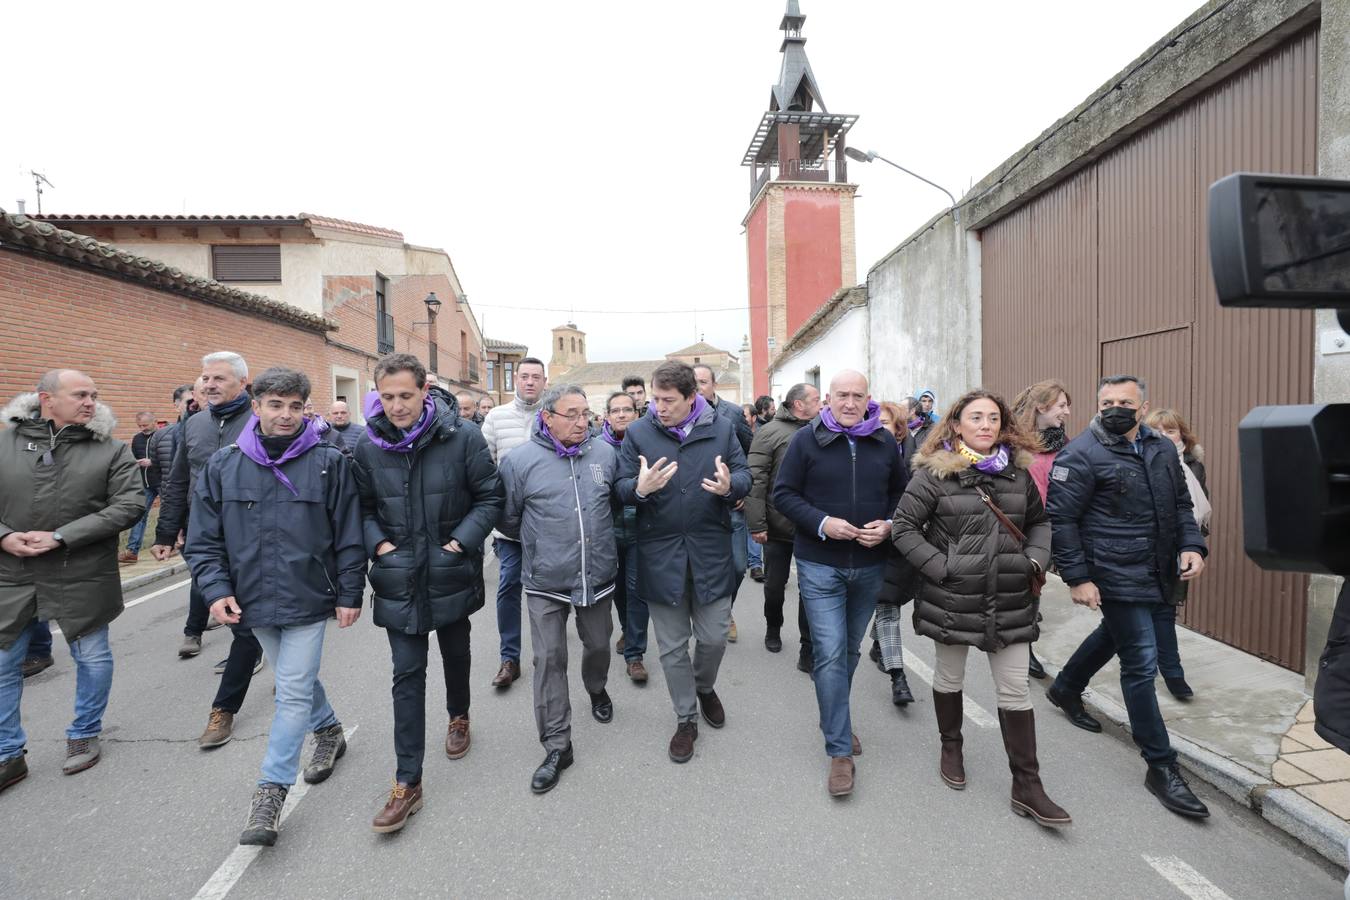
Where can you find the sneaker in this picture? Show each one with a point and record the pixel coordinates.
(264, 816)
(81, 754)
(35, 664)
(731, 632)
(127, 558)
(13, 770)
(329, 746)
(219, 729)
(637, 671)
(192, 645)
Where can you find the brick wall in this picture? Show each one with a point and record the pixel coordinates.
(137, 343)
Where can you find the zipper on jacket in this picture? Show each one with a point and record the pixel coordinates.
(853, 484)
(581, 522)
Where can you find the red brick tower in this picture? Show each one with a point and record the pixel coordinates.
(799, 229)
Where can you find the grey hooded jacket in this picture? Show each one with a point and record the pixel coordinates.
(560, 509)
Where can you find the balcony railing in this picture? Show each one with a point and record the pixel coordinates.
(384, 333)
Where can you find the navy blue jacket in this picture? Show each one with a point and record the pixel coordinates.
(736, 416)
(682, 526)
(286, 559)
(1121, 518)
(824, 475)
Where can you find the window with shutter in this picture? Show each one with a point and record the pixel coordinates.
(258, 263)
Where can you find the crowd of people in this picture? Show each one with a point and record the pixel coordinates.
(651, 513)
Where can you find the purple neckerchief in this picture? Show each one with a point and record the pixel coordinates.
(614, 440)
(871, 421)
(559, 447)
(249, 443)
(992, 464)
(374, 408)
(681, 431)
(915, 423)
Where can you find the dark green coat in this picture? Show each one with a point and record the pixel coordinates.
(766, 454)
(90, 493)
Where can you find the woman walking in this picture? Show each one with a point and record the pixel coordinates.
(897, 589)
(1042, 410)
(973, 525)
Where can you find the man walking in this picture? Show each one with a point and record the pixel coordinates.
(839, 483)
(1124, 535)
(429, 497)
(149, 474)
(683, 468)
(67, 490)
(506, 428)
(343, 432)
(769, 527)
(558, 493)
(282, 568)
(223, 379)
(620, 413)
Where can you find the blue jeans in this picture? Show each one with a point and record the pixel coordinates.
(839, 605)
(633, 613)
(754, 552)
(740, 539)
(93, 681)
(1099, 647)
(508, 597)
(138, 530)
(301, 704)
(39, 640)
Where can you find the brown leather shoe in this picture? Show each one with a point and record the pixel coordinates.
(637, 671)
(711, 705)
(219, 729)
(841, 776)
(404, 801)
(457, 738)
(857, 746)
(682, 744)
(508, 673)
(732, 633)
(127, 558)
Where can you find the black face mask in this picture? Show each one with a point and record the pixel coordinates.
(1118, 419)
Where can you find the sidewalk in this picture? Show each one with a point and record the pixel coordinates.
(1248, 731)
(148, 570)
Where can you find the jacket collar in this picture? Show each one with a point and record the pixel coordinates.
(1118, 442)
(949, 464)
(825, 436)
(524, 407)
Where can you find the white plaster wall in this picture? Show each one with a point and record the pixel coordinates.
(923, 304)
(844, 346)
(301, 269)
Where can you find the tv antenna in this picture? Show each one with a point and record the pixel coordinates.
(38, 181)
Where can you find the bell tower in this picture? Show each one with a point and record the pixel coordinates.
(569, 351)
(799, 228)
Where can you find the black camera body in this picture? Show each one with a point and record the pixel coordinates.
(1281, 241)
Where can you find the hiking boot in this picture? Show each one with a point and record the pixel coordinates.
(404, 801)
(682, 743)
(900, 692)
(35, 664)
(13, 770)
(711, 706)
(264, 816)
(81, 754)
(219, 729)
(457, 737)
(192, 645)
(508, 673)
(127, 558)
(840, 783)
(732, 633)
(805, 659)
(329, 745)
(637, 671)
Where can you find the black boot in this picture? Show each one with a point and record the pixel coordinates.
(1072, 704)
(1179, 688)
(900, 694)
(1165, 782)
(805, 660)
(1034, 667)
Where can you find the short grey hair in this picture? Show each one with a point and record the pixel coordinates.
(1124, 379)
(551, 396)
(281, 382)
(225, 356)
(50, 382)
(796, 393)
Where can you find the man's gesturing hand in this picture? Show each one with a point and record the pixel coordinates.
(226, 611)
(721, 485)
(653, 478)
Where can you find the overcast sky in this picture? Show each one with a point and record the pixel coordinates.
(574, 156)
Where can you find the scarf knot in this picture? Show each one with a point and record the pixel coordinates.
(682, 431)
(614, 440)
(250, 443)
(869, 423)
(990, 464)
(559, 447)
(374, 409)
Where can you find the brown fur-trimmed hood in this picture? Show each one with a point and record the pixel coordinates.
(950, 464)
(25, 408)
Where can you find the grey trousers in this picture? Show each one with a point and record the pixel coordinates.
(708, 624)
(548, 640)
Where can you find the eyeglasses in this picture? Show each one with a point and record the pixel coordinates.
(572, 418)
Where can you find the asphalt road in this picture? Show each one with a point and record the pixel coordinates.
(748, 816)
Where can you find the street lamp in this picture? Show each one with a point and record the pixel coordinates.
(855, 154)
(432, 303)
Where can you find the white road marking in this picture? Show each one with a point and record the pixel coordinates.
(974, 711)
(139, 600)
(237, 863)
(1185, 879)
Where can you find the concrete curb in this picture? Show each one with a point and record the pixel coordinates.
(136, 582)
(1286, 809)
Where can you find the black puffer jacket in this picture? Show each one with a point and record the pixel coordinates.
(163, 445)
(445, 488)
(976, 578)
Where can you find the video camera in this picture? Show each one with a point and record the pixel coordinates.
(1283, 242)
